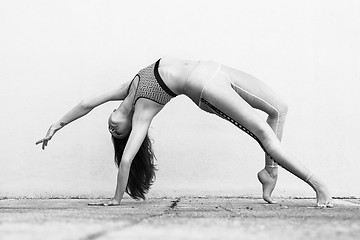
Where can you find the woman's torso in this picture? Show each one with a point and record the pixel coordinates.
(187, 77)
(180, 76)
(175, 71)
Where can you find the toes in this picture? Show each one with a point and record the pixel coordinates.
(321, 205)
(329, 205)
(325, 205)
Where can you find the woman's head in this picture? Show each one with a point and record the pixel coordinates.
(142, 170)
(119, 124)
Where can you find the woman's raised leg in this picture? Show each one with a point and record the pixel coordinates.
(260, 96)
(225, 102)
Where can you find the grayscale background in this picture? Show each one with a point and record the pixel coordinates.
(54, 53)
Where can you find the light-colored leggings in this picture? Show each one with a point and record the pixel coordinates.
(233, 95)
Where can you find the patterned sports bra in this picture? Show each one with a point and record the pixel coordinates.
(151, 86)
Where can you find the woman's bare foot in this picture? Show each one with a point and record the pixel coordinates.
(323, 196)
(268, 178)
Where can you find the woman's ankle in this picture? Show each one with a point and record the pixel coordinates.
(273, 171)
(315, 182)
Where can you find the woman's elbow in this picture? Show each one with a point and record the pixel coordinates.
(125, 163)
(86, 105)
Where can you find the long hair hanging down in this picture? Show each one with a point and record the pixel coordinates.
(142, 170)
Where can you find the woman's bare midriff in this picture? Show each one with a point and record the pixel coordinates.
(174, 72)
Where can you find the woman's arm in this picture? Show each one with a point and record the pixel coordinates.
(75, 113)
(83, 108)
(113, 94)
(133, 145)
(136, 138)
(143, 115)
(88, 104)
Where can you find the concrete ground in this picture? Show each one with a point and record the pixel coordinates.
(178, 218)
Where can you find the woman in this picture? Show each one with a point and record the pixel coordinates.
(215, 88)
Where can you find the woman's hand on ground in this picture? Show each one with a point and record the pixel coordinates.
(111, 202)
(50, 133)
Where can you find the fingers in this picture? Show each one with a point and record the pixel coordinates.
(44, 142)
(47, 138)
(41, 141)
(96, 204)
(110, 204)
(105, 204)
(99, 204)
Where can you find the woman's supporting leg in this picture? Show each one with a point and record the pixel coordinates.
(224, 101)
(260, 96)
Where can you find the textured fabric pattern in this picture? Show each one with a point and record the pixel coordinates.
(148, 87)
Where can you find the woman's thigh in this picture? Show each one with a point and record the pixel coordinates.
(255, 92)
(225, 102)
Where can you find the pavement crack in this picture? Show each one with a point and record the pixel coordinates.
(103, 232)
(226, 209)
(174, 203)
(95, 235)
(231, 211)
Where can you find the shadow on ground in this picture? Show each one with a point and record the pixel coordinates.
(178, 218)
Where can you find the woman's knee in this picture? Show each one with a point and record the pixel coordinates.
(280, 110)
(267, 139)
(283, 109)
